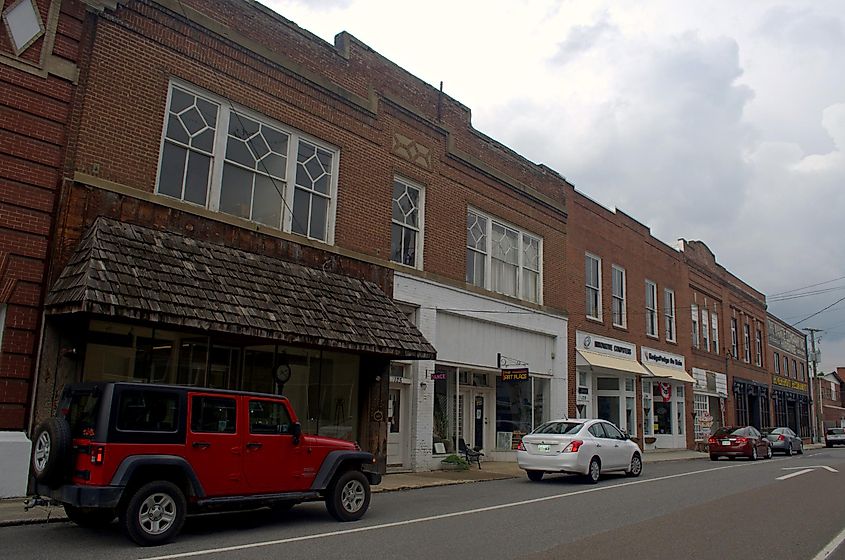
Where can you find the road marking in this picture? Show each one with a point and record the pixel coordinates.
(437, 517)
(796, 473)
(831, 546)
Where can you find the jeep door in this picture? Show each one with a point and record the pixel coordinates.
(273, 462)
(214, 446)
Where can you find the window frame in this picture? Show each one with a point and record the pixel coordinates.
(705, 328)
(669, 323)
(777, 362)
(218, 160)
(622, 299)
(521, 266)
(694, 317)
(714, 326)
(651, 314)
(758, 348)
(734, 338)
(597, 288)
(420, 230)
(746, 339)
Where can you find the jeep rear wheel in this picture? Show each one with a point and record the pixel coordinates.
(349, 497)
(90, 518)
(154, 514)
(50, 449)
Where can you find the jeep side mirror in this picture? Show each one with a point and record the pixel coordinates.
(296, 431)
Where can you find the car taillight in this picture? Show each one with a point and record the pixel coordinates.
(741, 440)
(521, 446)
(781, 438)
(98, 453)
(573, 446)
(711, 440)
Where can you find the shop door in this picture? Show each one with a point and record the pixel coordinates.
(396, 428)
(608, 408)
(475, 417)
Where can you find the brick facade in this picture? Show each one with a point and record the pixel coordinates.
(37, 87)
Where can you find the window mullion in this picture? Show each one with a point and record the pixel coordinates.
(488, 257)
(290, 184)
(219, 156)
(520, 251)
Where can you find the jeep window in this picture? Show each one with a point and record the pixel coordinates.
(213, 415)
(142, 410)
(82, 413)
(268, 417)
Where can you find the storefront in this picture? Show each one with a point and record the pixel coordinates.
(791, 405)
(607, 371)
(664, 398)
(500, 371)
(199, 314)
(751, 403)
(709, 394)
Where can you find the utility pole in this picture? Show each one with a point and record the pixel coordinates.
(818, 383)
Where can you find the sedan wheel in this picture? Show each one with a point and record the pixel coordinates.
(801, 448)
(789, 450)
(535, 476)
(754, 453)
(769, 452)
(594, 473)
(636, 466)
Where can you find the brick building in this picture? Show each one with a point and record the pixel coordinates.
(729, 346)
(39, 55)
(216, 144)
(790, 377)
(832, 398)
(628, 336)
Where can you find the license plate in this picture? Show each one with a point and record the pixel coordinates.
(726, 442)
(544, 447)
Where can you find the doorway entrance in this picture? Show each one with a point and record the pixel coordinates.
(475, 416)
(397, 425)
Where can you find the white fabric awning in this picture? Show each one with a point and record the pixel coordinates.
(594, 359)
(672, 373)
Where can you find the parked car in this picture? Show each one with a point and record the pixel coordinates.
(585, 447)
(151, 454)
(834, 436)
(784, 440)
(733, 442)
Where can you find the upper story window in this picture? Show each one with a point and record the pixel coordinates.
(794, 369)
(237, 162)
(777, 363)
(705, 329)
(696, 341)
(618, 303)
(714, 324)
(669, 314)
(406, 230)
(746, 339)
(803, 372)
(592, 281)
(758, 346)
(650, 308)
(734, 339)
(786, 366)
(503, 258)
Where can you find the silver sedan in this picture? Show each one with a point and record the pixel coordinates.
(585, 447)
(784, 440)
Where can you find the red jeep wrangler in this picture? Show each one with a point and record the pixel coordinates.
(151, 454)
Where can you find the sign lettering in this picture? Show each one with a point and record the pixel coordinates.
(515, 374)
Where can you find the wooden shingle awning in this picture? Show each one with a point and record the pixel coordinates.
(132, 272)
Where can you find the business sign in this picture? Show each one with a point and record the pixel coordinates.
(520, 374)
(790, 383)
(660, 358)
(439, 375)
(606, 346)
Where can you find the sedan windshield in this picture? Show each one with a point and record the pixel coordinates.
(558, 428)
(836, 431)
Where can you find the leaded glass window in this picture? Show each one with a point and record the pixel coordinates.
(406, 227)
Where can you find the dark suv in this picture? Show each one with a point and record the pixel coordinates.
(151, 454)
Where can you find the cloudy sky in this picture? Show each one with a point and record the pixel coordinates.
(720, 121)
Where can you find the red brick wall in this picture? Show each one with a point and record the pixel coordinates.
(139, 47)
(618, 239)
(34, 112)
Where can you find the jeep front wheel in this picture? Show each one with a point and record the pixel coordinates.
(349, 496)
(154, 514)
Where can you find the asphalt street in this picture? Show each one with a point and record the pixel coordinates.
(680, 509)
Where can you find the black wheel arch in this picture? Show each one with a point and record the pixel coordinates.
(339, 461)
(137, 470)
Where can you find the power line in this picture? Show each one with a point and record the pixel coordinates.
(774, 299)
(818, 312)
(805, 287)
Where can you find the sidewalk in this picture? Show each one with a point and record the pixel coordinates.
(13, 513)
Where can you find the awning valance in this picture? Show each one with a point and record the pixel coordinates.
(133, 272)
(672, 373)
(594, 359)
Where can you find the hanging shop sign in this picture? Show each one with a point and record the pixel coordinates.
(516, 374)
(660, 358)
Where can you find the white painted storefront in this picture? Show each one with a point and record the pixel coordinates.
(462, 395)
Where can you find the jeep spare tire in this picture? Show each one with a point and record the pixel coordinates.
(51, 444)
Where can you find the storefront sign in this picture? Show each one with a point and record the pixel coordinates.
(438, 376)
(791, 383)
(660, 358)
(604, 345)
(515, 374)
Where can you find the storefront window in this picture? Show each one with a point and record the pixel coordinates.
(445, 413)
(630, 421)
(681, 419)
(514, 412)
(542, 395)
(662, 417)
